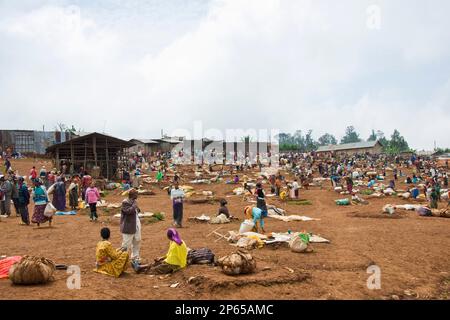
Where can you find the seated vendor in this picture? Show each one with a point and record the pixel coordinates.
(108, 260)
(223, 208)
(392, 184)
(174, 260)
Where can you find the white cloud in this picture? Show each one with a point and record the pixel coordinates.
(295, 64)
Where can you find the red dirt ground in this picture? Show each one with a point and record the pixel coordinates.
(411, 251)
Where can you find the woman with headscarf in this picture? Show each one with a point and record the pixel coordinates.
(255, 214)
(174, 260)
(40, 199)
(59, 195)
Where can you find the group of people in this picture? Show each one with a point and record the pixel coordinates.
(15, 188)
(114, 261)
(426, 175)
(43, 186)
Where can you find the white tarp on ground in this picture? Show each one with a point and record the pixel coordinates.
(141, 215)
(286, 237)
(407, 206)
(291, 218)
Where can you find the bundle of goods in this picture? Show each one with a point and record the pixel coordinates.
(239, 262)
(300, 243)
(342, 202)
(32, 270)
(200, 256)
(220, 219)
(389, 209)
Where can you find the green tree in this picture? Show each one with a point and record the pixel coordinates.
(310, 144)
(350, 136)
(299, 140)
(373, 136)
(382, 139)
(440, 151)
(327, 139)
(397, 143)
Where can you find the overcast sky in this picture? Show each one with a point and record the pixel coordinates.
(132, 68)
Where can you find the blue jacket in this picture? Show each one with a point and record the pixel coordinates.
(24, 195)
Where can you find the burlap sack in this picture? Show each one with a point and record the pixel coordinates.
(32, 270)
(239, 262)
(297, 245)
(247, 243)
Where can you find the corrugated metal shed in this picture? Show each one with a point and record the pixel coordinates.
(349, 146)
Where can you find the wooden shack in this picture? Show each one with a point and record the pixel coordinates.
(95, 152)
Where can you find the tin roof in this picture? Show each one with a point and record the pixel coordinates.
(349, 146)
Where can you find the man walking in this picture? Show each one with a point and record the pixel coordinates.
(23, 201)
(7, 165)
(2, 195)
(177, 196)
(15, 195)
(33, 174)
(7, 189)
(130, 226)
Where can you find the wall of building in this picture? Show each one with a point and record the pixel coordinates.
(28, 141)
(374, 150)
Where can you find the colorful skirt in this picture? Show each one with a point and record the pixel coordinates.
(38, 215)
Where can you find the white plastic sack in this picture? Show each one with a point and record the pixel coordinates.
(51, 189)
(389, 209)
(297, 245)
(50, 210)
(246, 226)
(406, 195)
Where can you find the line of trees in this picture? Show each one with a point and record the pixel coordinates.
(304, 142)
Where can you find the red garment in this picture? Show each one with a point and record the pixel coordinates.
(33, 174)
(86, 181)
(6, 264)
(51, 178)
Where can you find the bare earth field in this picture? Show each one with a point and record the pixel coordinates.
(412, 252)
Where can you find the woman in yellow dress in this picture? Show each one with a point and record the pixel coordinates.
(174, 260)
(108, 260)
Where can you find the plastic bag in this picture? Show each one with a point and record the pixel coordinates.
(51, 189)
(246, 226)
(300, 243)
(50, 210)
(342, 202)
